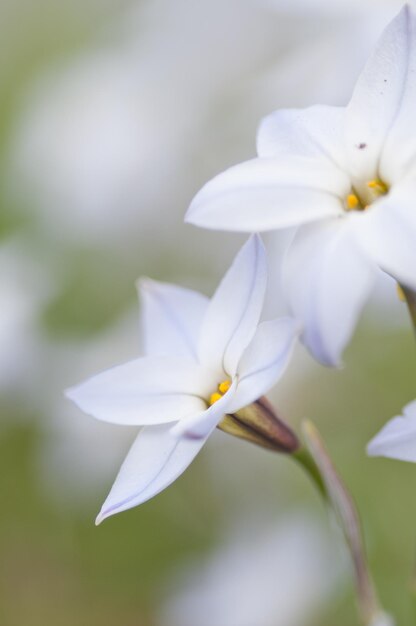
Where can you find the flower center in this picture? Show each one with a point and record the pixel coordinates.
(221, 390)
(369, 193)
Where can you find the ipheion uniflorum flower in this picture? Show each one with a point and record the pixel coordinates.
(204, 359)
(346, 177)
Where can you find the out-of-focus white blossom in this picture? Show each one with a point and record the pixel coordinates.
(25, 287)
(105, 143)
(81, 147)
(267, 576)
(383, 619)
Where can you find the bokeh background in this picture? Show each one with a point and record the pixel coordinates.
(112, 115)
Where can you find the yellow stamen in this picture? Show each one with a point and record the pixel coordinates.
(224, 386)
(352, 201)
(215, 397)
(400, 293)
(377, 186)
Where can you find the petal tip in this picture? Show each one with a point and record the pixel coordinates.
(321, 355)
(371, 449)
(379, 444)
(188, 215)
(144, 283)
(193, 213)
(256, 237)
(104, 514)
(375, 447)
(406, 13)
(70, 393)
(333, 362)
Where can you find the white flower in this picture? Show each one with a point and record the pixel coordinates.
(397, 440)
(347, 178)
(204, 358)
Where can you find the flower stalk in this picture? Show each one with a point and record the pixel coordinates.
(259, 424)
(304, 458)
(410, 297)
(346, 513)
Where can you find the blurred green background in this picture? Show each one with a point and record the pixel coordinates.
(112, 114)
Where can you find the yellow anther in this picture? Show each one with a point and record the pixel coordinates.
(224, 386)
(400, 293)
(215, 397)
(377, 186)
(352, 201)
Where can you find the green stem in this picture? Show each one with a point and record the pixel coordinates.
(316, 461)
(412, 592)
(303, 457)
(410, 297)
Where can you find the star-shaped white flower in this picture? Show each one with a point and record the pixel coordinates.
(204, 359)
(347, 178)
(397, 439)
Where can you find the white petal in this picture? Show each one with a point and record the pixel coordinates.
(327, 278)
(150, 390)
(154, 461)
(388, 233)
(234, 311)
(201, 425)
(410, 409)
(316, 132)
(264, 361)
(384, 90)
(397, 440)
(400, 147)
(171, 318)
(264, 194)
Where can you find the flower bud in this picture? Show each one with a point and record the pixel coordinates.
(259, 424)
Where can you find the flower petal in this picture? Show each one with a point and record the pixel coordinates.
(327, 278)
(399, 150)
(171, 318)
(316, 132)
(264, 194)
(201, 425)
(388, 233)
(264, 361)
(154, 461)
(235, 308)
(397, 440)
(150, 390)
(383, 97)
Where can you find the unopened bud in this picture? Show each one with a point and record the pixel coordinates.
(259, 424)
